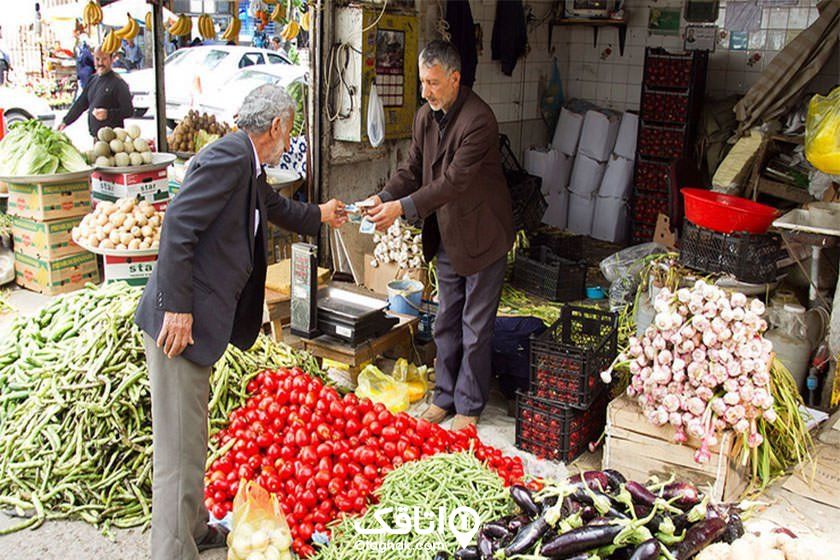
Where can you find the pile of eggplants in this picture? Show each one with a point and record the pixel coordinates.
(599, 515)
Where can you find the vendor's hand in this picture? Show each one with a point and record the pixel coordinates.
(61, 126)
(333, 214)
(385, 214)
(377, 202)
(176, 333)
(100, 114)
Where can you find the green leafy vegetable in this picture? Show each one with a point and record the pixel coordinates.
(32, 148)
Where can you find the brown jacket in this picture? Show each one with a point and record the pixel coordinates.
(453, 179)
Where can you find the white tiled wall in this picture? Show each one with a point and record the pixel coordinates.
(603, 76)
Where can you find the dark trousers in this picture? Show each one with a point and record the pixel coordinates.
(464, 335)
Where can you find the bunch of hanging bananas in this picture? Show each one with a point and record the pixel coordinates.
(128, 31)
(149, 21)
(278, 14)
(111, 43)
(290, 31)
(182, 26)
(232, 31)
(92, 14)
(205, 27)
(306, 20)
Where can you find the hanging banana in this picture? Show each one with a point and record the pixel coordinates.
(278, 14)
(290, 31)
(182, 26)
(205, 27)
(232, 31)
(129, 31)
(306, 20)
(149, 21)
(92, 14)
(111, 43)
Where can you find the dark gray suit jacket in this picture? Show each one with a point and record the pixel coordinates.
(210, 262)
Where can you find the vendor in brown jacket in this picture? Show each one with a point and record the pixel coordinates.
(453, 180)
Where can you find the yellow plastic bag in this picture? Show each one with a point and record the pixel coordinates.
(414, 377)
(380, 388)
(822, 132)
(259, 530)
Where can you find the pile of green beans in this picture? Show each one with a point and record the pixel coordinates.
(447, 480)
(75, 409)
(516, 302)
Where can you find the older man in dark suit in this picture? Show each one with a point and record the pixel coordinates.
(207, 291)
(453, 179)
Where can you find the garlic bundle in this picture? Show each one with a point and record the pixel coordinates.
(400, 244)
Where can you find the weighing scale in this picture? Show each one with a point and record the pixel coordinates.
(304, 280)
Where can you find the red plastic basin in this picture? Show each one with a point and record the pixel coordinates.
(726, 213)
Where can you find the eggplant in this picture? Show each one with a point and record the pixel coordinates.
(523, 498)
(687, 495)
(517, 522)
(596, 480)
(468, 553)
(582, 539)
(640, 494)
(441, 555)
(680, 522)
(527, 537)
(496, 530)
(548, 502)
(588, 513)
(648, 550)
(700, 536)
(614, 478)
(569, 507)
(734, 529)
(485, 546)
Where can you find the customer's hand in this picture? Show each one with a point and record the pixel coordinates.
(100, 114)
(176, 333)
(333, 214)
(375, 202)
(61, 126)
(385, 214)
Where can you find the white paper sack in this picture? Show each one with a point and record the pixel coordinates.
(618, 178)
(625, 144)
(581, 211)
(567, 132)
(586, 176)
(597, 138)
(558, 209)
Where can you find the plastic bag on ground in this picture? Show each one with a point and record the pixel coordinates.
(822, 132)
(259, 526)
(415, 378)
(381, 388)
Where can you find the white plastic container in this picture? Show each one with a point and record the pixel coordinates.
(618, 178)
(597, 138)
(581, 212)
(567, 132)
(790, 342)
(610, 220)
(558, 209)
(587, 174)
(625, 143)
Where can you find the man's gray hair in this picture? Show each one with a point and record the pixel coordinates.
(443, 54)
(262, 106)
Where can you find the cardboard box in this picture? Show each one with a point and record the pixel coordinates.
(597, 138)
(46, 202)
(567, 132)
(152, 186)
(586, 176)
(610, 220)
(56, 277)
(134, 271)
(820, 482)
(618, 178)
(638, 449)
(581, 212)
(48, 240)
(377, 278)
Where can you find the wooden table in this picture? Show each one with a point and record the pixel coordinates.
(397, 339)
(279, 312)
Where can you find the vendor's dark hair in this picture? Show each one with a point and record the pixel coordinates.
(441, 53)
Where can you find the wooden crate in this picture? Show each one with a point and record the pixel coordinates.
(638, 449)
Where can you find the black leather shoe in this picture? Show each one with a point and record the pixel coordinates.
(216, 537)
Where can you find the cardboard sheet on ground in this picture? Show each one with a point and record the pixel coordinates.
(821, 484)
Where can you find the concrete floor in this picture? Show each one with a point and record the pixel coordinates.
(60, 540)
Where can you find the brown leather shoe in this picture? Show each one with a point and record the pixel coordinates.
(460, 422)
(216, 537)
(435, 414)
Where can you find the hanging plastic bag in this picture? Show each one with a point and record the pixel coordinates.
(259, 526)
(415, 378)
(381, 388)
(375, 118)
(822, 132)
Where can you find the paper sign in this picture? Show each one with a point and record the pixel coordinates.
(700, 38)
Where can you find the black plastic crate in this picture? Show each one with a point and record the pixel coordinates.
(568, 358)
(553, 431)
(539, 271)
(749, 257)
(529, 204)
(562, 243)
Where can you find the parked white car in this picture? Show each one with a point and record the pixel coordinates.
(192, 71)
(227, 98)
(21, 105)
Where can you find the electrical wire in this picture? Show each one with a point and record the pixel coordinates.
(375, 23)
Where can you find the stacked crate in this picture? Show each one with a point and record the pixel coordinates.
(46, 259)
(565, 407)
(672, 96)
